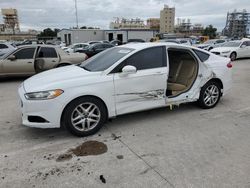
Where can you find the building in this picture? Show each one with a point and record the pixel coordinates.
(153, 23)
(237, 24)
(167, 20)
(11, 22)
(71, 36)
(186, 28)
(123, 23)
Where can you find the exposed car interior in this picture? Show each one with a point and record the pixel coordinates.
(183, 70)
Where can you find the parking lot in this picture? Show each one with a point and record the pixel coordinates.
(183, 147)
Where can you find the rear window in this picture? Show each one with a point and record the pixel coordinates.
(202, 55)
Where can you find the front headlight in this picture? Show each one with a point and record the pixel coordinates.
(225, 52)
(43, 95)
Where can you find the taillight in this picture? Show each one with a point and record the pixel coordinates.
(229, 65)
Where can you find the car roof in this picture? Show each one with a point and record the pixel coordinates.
(140, 46)
(38, 45)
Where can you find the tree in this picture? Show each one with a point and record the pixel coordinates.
(83, 27)
(48, 33)
(210, 31)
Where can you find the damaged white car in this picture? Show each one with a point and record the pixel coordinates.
(120, 80)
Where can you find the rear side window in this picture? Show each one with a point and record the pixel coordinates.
(202, 55)
(26, 53)
(147, 59)
(2, 46)
(46, 52)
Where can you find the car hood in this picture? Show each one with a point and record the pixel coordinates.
(223, 49)
(60, 78)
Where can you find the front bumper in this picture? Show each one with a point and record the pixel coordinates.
(49, 110)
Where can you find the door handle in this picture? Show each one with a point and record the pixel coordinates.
(53, 61)
(29, 62)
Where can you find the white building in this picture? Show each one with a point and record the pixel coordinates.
(70, 36)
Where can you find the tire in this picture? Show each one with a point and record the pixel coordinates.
(233, 56)
(84, 116)
(209, 95)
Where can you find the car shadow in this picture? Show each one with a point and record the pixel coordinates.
(13, 78)
(112, 125)
(144, 116)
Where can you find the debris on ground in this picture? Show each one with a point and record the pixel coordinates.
(102, 179)
(114, 136)
(64, 157)
(119, 157)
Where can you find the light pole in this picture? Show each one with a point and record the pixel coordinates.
(76, 14)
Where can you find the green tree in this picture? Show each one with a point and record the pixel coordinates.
(83, 27)
(210, 31)
(48, 32)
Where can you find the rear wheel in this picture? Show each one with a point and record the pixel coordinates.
(233, 56)
(210, 95)
(84, 116)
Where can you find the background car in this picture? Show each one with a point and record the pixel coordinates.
(135, 41)
(116, 42)
(121, 80)
(32, 59)
(94, 49)
(170, 40)
(234, 49)
(75, 47)
(210, 44)
(6, 47)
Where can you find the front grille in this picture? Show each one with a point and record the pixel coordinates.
(216, 53)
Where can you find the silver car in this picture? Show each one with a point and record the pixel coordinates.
(31, 59)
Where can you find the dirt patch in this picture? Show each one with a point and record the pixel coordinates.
(90, 148)
(85, 149)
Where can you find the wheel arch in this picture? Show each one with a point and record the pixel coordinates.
(92, 96)
(219, 82)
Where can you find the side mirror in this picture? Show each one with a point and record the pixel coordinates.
(12, 57)
(129, 69)
(243, 46)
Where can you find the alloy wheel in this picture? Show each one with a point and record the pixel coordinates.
(211, 95)
(85, 117)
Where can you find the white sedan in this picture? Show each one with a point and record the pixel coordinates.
(234, 49)
(120, 80)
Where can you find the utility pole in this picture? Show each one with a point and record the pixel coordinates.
(76, 14)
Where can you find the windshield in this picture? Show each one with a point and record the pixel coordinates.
(105, 59)
(232, 44)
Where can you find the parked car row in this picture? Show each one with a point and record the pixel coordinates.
(31, 59)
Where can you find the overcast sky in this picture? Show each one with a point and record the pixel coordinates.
(40, 14)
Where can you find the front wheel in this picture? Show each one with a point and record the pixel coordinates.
(84, 116)
(233, 56)
(210, 95)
